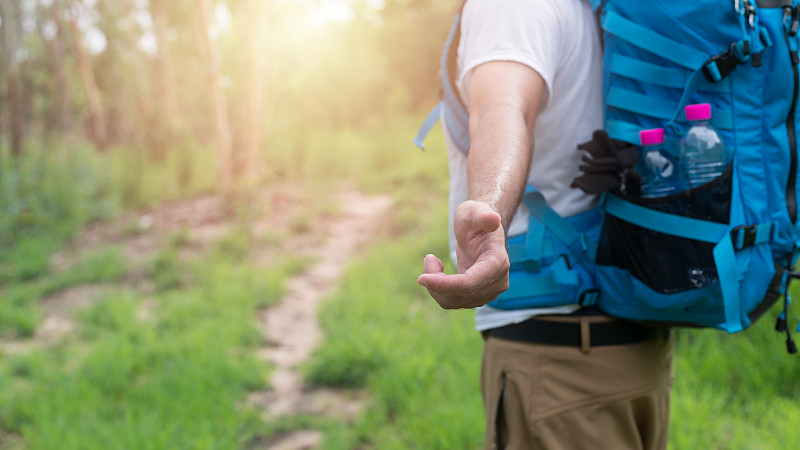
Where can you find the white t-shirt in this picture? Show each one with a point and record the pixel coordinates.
(559, 39)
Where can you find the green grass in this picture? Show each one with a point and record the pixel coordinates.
(20, 309)
(172, 368)
(176, 379)
(52, 193)
(136, 180)
(28, 259)
(419, 363)
(175, 376)
(139, 385)
(735, 392)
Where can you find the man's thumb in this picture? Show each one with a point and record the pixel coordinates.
(487, 221)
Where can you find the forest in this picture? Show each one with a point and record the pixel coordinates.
(156, 77)
(212, 218)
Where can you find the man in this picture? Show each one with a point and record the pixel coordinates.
(530, 73)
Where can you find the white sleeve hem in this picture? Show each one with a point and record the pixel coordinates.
(504, 56)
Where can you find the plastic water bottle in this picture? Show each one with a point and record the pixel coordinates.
(703, 156)
(657, 166)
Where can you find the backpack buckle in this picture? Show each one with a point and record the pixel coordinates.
(588, 297)
(720, 66)
(744, 236)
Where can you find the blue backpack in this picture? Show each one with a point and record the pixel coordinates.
(717, 255)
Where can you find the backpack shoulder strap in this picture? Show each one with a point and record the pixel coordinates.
(451, 108)
(449, 63)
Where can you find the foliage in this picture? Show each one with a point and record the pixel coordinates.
(735, 391)
(174, 376)
(172, 368)
(133, 74)
(138, 179)
(136, 385)
(20, 308)
(51, 190)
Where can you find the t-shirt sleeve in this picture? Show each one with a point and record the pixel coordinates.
(523, 31)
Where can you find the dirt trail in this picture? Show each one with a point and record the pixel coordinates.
(292, 325)
(139, 235)
(290, 328)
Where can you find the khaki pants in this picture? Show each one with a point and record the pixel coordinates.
(540, 396)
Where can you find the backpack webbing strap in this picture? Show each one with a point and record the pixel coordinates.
(623, 131)
(583, 249)
(645, 105)
(700, 230)
(695, 81)
(684, 227)
(655, 74)
(745, 236)
(532, 250)
(653, 42)
(725, 260)
(552, 284)
(451, 108)
(628, 132)
(560, 277)
(430, 121)
(456, 117)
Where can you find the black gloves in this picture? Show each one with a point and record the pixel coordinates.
(609, 166)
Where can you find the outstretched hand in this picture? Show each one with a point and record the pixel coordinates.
(482, 260)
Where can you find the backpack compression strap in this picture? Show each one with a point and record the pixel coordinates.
(583, 249)
(715, 233)
(705, 72)
(562, 277)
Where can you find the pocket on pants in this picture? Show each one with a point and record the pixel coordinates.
(499, 430)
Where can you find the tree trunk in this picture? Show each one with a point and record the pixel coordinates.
(56, 110)
(219, 107)
(64, 96)
(10, 13)
(15, 110)
(251, 89)
(167, 93)
(95, 106)
(249, 15)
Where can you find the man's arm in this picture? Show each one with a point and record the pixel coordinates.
(504, 99)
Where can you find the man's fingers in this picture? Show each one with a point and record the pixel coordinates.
(432, 264)
(482, 259)
(432, 267)
(482, 277)
(455, 291)
(443, 283)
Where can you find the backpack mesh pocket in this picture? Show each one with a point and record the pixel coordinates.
(666, 263)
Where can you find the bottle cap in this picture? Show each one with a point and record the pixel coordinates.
(652, 137)
(700, 111)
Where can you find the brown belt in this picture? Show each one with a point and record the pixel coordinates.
(582, 333)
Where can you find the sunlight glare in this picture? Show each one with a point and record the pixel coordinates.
(309, 22)
(324, 12)
(221, 20)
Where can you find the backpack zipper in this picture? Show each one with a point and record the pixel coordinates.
(792, 13)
